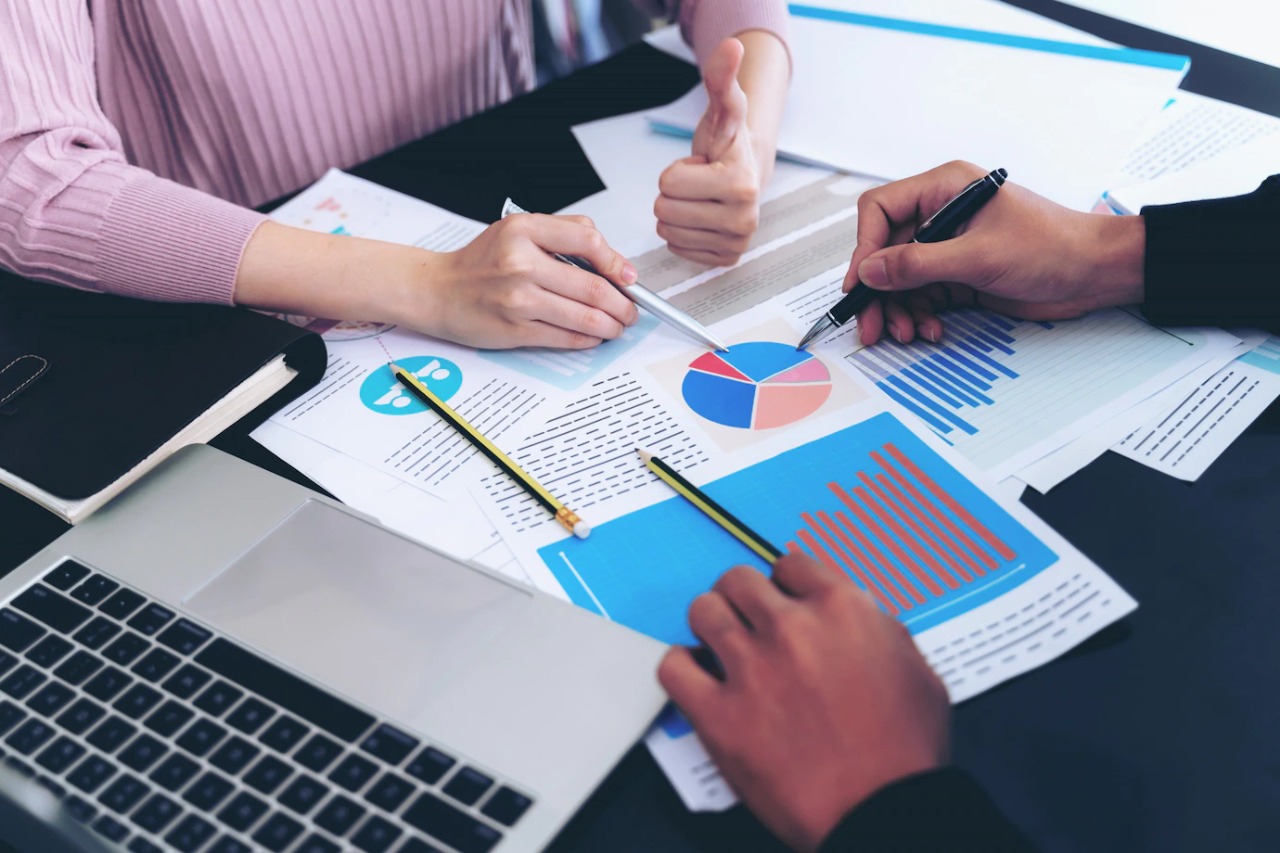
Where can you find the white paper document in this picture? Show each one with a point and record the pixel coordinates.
(1235, 171)
(1065, 116)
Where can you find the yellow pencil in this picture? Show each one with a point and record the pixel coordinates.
(562, 513)
(713, 510)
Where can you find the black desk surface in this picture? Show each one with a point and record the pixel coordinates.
(1159, 733)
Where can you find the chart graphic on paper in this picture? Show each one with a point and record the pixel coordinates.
(872, 500)
(756, 385)
(381, 392)
(996, 386)
(1266, 355)
(571, 369)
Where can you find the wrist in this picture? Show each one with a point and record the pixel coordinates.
(1117, 252)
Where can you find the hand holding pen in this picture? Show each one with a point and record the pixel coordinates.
(1021, 255)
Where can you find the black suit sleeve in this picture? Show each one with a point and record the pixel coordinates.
(1215, 262)
(936, 811)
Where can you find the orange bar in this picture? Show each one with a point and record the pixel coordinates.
(868, 565)
(919, 543)
(881, 508)
(978, 527)
(914, 517)
(931, 511)
(849, 567)
(880, 533)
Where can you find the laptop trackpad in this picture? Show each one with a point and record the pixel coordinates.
(359, 608)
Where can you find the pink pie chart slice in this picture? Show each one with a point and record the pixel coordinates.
(808, 371)
(779, 405)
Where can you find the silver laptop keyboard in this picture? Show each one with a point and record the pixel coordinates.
(159, 733)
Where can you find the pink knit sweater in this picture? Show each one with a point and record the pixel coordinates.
(136, 134)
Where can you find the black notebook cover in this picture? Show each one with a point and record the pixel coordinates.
(97, 383)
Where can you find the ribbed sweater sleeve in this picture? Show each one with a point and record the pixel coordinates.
(72, 210)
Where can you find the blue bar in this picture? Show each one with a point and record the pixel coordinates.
(959, 378)
(973, 336)
(913, 408)
(997, 334)
(925, 401)
(1044, 324)
(964, 362)
(951, 383)
(1127, 55)
(953, 361)
(989, 360)
(999, 321)
(986, 337)
(932, 387)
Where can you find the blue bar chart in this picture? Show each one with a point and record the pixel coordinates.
(995, 386)
(909, 529)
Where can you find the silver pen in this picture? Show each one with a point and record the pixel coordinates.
(640, 295)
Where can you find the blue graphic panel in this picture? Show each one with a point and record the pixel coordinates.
(381, 392)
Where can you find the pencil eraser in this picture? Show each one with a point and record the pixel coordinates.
(582, 530)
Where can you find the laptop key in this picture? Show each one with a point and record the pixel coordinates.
(124, 650)
(451, 825)
(506, 806)
(429, 765)
(66, 575)
(201, 737)
(376, 836)
(121, 603)
(10, 715)
(22, 681)
(7, 661)
(169, 718)
(186, 681)
(17, 632)
(339, 815)
(150, 619)
(113, 732)
(250, 715)
(318, 753)
(174, 772)
(137, 701)
(155, 665)
(52, 608)
(17, 765)
(389, 792)
(51, 699)
(142, 845)
(268, 774)
(123, 794)
(243, 811)
(78, 667)
(156, 813)
(303, 794)
(30, 736)
(184, 636)
(284, 734)
(314, 843)
(304, 699)
(91, 773)
(110, 828)
(60, 755)
(79, 809)
(206, 792)
(468, 785)
(51, 786)
(191, 833)
(218, 698)
(353, 772)
(108, 683)
(389, 744)
(143, 752)
(278, 832)
(94, 589)
(49, 651)
(97, 632)
(417, 845)
(227, 844)
(234, 755)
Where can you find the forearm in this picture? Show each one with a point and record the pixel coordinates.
(765, 76)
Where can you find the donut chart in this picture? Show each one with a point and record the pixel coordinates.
(756, 385)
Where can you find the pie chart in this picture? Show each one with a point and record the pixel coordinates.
(756, 385)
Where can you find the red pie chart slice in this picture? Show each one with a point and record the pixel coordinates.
(712, 363)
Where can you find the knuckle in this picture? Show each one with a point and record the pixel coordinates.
(584, 221)
(743, 190)
(908, 265)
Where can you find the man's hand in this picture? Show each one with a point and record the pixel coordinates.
(1020, 255)
(709, 202)
(824, 698)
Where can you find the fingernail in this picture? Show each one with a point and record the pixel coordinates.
(629, 274)
(872, 271)
(932, 335)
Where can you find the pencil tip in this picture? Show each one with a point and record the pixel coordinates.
(582, 530)
(645, 454)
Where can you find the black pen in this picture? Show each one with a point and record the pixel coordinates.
(941, 226)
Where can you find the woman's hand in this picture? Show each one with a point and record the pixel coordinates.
(709, 203)
(1020, 255)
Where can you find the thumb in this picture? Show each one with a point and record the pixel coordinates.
(726, 102)
(913, 265)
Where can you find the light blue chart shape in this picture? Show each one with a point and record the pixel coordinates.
(571, 369)
(644, 568)
(1266, 355)
(381, 392)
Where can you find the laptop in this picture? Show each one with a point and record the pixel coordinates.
(221, 660)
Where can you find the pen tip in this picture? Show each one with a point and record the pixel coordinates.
(582, 530)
